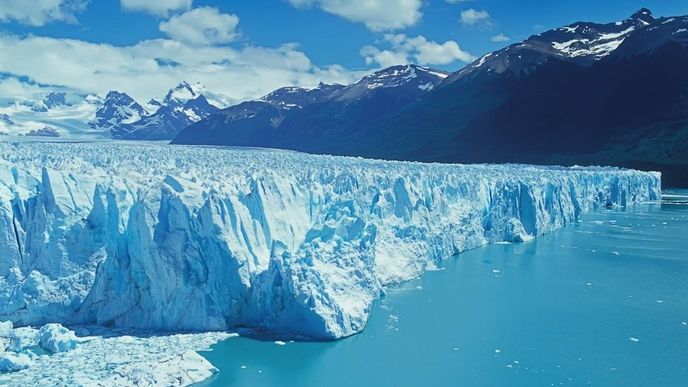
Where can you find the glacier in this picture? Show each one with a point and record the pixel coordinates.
(178, 238)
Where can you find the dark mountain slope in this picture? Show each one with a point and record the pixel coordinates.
(629, 111)
(587, 93)
(299, 118)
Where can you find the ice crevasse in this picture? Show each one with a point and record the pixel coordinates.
(179, 238)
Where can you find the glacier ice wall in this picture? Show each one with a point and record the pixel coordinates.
(177, 238)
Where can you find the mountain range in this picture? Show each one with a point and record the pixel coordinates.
(182, 106)
(292, 117)
(586, 93)
(75, 115)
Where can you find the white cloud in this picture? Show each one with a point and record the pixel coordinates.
(384, 58)
(500, 38)
(457, 1)
(40, 12)
(156, 7)
(403, 50)
(475, 18)
(149, 68)
(377, 15)
(12, 89)
(202, 26)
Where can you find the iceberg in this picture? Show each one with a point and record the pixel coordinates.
(13, 362)
(178, 238)
(111, 357)
(55, 338)
(6, 328)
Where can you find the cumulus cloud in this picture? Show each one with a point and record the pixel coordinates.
(156, 7)
(202, 26)
(475, 18)
(144, 71)
(40, 12)
(500, 38)
(377, 15)
(401, 49)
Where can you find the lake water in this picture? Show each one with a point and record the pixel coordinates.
(602, 302)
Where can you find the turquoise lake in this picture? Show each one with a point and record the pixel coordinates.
(601, 302)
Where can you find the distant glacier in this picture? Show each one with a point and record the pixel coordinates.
(179, 238)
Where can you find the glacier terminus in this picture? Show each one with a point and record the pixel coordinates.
(207, 239)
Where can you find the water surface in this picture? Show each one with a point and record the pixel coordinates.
(601, 302)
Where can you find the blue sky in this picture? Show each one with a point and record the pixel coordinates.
(146, 46)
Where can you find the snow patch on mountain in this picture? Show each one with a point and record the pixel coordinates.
(597, 46)
(168, 237)
(396, 76)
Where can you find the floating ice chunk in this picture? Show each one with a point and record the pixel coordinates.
(634, 339)
(6, 328)
(56, 338)
(22, 338)
(280, 342)
(11, 362)
(111, 360)
(178, 370)
(5, 335)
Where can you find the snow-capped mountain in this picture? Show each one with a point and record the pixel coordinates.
(182, 106)
(411, 76)
(182, 93)
(4, 118)
(622, 84)
(55, 113)
(289, 98)
(154, 105)
(45, 131)
(117, 108)
(252, 117)
(293, 113)
(542, 100)
(55, 99)
(582, 43)
(76, 114)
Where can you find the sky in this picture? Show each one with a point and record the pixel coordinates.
(242, 49)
